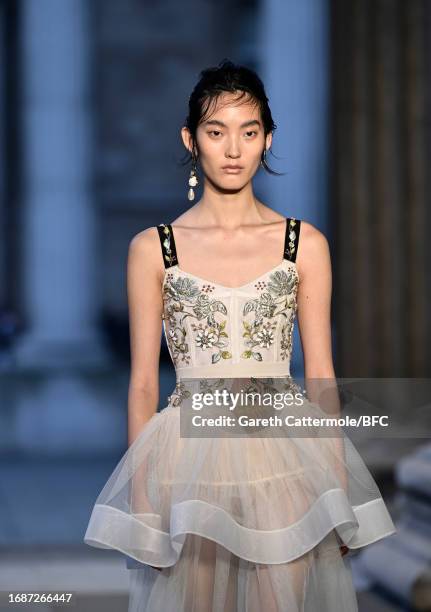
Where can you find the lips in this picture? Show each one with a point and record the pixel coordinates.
(232, 168)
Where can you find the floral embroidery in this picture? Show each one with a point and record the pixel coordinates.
(274, 309)
(279, 300)
(286, 343)
(291, 238)
(183, 298)
(208, 288)
(207, 386)
(273, 385)
(179, 393)
(206, 338)
(183, 389)
(169, 253)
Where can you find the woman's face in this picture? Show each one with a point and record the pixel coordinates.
(232, 135)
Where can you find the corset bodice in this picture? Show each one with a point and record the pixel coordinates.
(217, 331)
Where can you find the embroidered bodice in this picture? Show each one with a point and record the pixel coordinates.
(217, 331)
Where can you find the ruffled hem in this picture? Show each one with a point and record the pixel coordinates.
(357, 526)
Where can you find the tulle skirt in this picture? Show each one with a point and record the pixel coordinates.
(208, 577)
(241, 524)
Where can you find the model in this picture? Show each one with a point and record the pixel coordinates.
(246, 521)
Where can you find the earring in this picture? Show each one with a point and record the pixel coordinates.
(263, 158)
(193, 179)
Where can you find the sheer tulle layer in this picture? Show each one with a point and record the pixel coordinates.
(265, 500)
(209, 578)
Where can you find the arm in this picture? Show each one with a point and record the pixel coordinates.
(314, 302)
(145, 324)
(314, 321)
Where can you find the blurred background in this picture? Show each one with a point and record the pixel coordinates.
(93, 94)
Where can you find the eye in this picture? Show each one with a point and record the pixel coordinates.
(251, 132)
(214, 132)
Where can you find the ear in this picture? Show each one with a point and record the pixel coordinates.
(187, 139)
(268, 141)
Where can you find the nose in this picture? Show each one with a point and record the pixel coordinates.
(233, 150)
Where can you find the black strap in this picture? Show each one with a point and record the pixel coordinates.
(291, 240)
(169, 251)
(167, 243)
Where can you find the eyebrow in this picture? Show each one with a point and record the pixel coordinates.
(246, 124)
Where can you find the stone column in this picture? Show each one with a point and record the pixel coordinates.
(294, 40)
(59, 235)
(3, 59)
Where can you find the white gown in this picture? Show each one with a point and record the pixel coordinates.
(250, 523)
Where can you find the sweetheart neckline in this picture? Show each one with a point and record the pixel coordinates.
(254, 280)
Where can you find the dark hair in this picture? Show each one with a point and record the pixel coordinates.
(232, 78)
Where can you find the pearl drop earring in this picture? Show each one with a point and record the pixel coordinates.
(193, 179)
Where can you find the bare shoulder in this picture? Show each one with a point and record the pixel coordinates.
(144, 243)
(271, 215)
(187, 218)
(312, 239)
(313, 248)
(145, 248)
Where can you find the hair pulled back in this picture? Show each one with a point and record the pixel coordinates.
(231, 78)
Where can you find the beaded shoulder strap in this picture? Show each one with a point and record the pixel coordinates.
(293, 227)
(167, 243)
